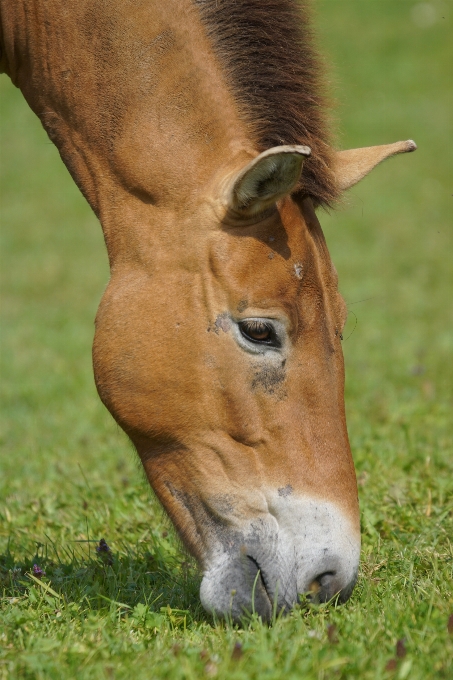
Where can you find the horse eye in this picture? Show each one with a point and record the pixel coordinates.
(259, 331)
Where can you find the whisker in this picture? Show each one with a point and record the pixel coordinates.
(349, 304)
(354, 326)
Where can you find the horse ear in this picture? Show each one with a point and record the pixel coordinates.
(270, 176)
(354, 164)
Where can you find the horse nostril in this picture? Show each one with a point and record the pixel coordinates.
(322, 588)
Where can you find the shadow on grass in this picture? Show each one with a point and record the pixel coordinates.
(101, 578)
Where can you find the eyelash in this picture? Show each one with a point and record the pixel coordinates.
(250, 326)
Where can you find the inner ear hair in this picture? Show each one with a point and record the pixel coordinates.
(270, 176)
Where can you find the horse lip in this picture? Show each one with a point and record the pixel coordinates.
(236, 587)
(260, 575)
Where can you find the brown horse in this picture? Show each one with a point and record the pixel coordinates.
(196, 129)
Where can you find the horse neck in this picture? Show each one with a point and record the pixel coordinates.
(131, 94)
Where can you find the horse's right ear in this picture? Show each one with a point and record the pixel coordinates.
(354, 164)
(267, 178)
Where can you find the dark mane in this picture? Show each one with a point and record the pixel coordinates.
(266, 49)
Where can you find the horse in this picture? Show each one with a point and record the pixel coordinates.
(198, 132)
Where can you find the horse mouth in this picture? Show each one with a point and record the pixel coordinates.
(259, 581)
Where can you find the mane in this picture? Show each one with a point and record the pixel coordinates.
(275, 74)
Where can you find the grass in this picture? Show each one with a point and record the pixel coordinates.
(69, 476)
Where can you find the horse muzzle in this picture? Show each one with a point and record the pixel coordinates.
(301, 547)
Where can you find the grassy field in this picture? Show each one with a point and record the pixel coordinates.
(69, 476)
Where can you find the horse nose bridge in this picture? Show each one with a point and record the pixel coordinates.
(304, 520)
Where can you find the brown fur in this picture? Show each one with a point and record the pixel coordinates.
(266, 48)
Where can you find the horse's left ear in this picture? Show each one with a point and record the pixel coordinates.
(354, 164)
(264, 180)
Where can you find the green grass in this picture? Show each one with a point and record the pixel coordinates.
(69, 476)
